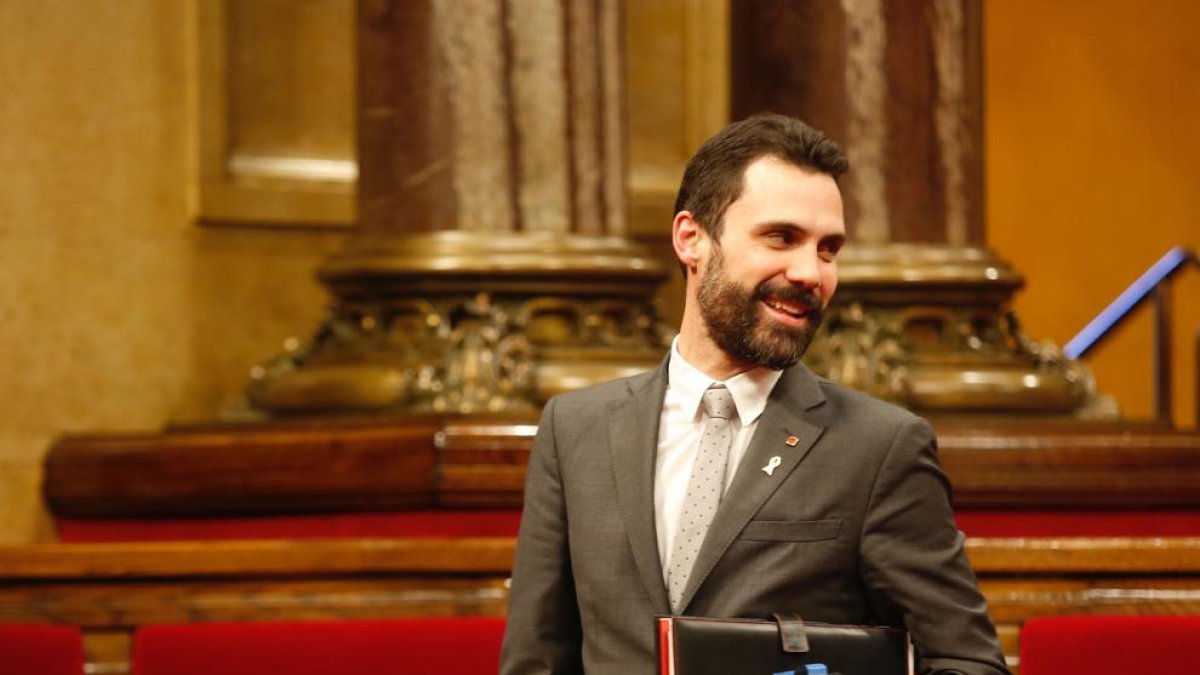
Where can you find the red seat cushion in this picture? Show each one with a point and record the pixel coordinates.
(1110, 645)
(410, 646)
(41, 650)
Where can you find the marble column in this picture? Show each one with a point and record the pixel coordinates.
(923, 314)
(491, 268)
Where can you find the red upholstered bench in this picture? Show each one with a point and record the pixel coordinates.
(434, 646)
(41, 650)
(1110, 645)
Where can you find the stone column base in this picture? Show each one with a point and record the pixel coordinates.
(466, 322)
(931, 328)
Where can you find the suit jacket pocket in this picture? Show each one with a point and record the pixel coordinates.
(791, 530)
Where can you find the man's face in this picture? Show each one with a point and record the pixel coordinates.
(765, 283)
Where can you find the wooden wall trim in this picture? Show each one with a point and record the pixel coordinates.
(339, 466)
(1082, 555)
(211, 559)
(493, 555)
(1070, 465)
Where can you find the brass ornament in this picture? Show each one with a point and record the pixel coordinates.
(459, 323)
(931, 328)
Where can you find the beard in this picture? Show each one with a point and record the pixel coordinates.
(737, 324)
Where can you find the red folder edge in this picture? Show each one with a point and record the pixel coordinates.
(666, 647)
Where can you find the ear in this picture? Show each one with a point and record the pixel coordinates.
(686, 236)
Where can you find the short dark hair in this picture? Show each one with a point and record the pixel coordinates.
(714, 176)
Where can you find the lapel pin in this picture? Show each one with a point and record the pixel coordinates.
(792, 441)
(769, 469)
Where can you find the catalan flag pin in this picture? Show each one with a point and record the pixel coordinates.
(792, 441)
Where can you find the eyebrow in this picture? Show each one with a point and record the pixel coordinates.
(839, 238)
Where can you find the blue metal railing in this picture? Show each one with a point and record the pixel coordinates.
(1153, 283)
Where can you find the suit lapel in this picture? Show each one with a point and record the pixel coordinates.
(784, 431)
(633, 444)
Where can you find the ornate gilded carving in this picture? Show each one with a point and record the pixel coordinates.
(1049, 356)
(931, 328)
(551, 316)
(928, 327)
(862, 349)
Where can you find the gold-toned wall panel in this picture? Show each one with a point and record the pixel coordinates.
(290, 76)
(678, 80)
(678, 95)
(275, 111)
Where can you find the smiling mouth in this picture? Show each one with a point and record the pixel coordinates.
(790, 309)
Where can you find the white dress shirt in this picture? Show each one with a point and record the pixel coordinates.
(679, 431)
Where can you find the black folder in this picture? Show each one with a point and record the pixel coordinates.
(704, 646)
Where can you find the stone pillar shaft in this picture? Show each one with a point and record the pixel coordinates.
(491, 116)
(923, 313)
(898, 85)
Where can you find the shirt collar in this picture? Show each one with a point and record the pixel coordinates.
(750, 389)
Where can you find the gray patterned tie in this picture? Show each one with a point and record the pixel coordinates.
(704, 489)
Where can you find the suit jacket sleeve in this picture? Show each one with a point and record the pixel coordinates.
(543, 635)
(913, 559)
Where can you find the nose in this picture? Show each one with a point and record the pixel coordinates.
(804, 267)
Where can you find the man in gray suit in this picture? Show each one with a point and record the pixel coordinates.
(833, 504)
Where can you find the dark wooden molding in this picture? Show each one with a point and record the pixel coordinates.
(1034, 556)
(374, 465)
(1048, 465)
(492, 557)
(256, 558)
(243, 470)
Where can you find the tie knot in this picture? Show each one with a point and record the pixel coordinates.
(718, 402)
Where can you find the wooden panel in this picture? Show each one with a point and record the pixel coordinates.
(109, 606)
(329, 466)
(1084, 555)
(990, 557)
(1075, 465)
(1016, 600)
(243, 470)
(483, 464)
(256, 558)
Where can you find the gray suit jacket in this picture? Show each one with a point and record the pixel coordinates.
(854, 526)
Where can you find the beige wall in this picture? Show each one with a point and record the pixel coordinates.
(1093, 161)
(116, 312)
